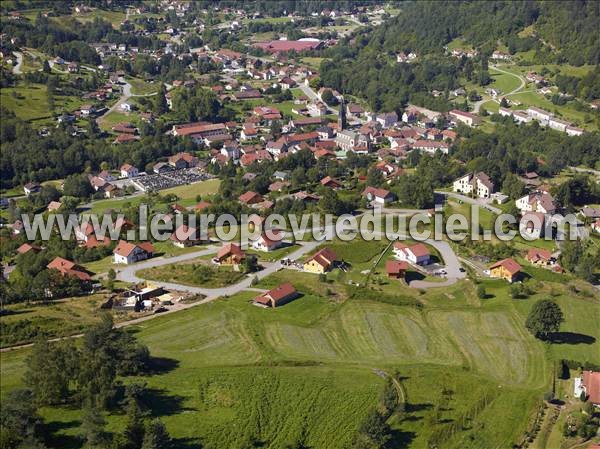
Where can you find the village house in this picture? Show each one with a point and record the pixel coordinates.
(128, 253)
(321, 262)
(332, 183)
(396, 269)
(185, 236)
(387, 119)
(230, 254)
(268, 241)
(183, 160)
(378, 196)
(31, 187)
(68, 268)
(250, 197)
(506, 269)
(128, 171)
(536, 202)
(278, 296)
(537, 256)
(26, 247)
(589, 385)
(417, 254)
(478, 184)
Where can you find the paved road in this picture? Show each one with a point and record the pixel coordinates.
(477, 105)
(470, 200)
(17, 68)
(307, 90)
(521, 79)
(126, 95)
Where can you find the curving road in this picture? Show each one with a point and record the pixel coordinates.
(17, 68)
(477, 105)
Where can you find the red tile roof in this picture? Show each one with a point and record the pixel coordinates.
(591, 381)
(509, 265)
(68, 268)
(395, 267)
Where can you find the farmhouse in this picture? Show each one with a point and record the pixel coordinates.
(278, 296)
(396, 269)
(477, 183)
(417, 254)
(506, 269)
(128, 253)
(230, 254)
(321, 261)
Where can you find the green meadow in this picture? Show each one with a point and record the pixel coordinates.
(308, 371)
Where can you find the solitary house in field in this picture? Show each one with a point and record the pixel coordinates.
(278, 296)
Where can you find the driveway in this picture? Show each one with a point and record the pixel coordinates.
(467, 199)
(17, 68)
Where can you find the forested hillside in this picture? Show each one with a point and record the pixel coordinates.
(564, 31)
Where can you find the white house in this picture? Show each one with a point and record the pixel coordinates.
(126, 107)
(266, 243)
(477, 183)
(378, 196)
(128, 171)
(541, 202)
(127, 253)
(417, 254)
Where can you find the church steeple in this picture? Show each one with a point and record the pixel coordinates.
(342, 115)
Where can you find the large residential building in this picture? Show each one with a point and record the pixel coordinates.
(465, 117)
(478, 184)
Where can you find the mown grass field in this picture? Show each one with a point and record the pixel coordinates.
(241, 373)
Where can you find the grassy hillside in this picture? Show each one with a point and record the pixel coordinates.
(235, 373)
